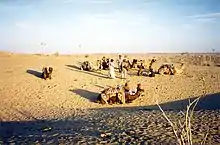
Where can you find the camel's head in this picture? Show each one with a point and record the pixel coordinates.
(98, 62)
(50, 70)
(119, 87)
(44, 69)
(182, 65)
(140, 90)
(153, 60)
(135, 60)
(125, 60)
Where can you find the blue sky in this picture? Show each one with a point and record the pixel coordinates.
(105, 26)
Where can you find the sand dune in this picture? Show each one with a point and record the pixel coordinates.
(22, 90)
(63, 110)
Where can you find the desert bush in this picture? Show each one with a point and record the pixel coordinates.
(183, 131)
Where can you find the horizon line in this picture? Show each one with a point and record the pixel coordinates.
(112, 53)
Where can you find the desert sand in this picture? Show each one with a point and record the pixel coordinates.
(27, 98)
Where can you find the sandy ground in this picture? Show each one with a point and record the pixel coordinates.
(26, 97)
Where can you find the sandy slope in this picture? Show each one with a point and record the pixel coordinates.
(25, 96)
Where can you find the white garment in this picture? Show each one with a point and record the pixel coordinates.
(120, 60)
(131, 92)
(111, 70)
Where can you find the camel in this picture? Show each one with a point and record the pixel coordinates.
(133, 63)
(151, 71)
(86, 65)
(110, 95)
(146, 72)
(105, 63)
(165, 69)
(126, 66)
(170, 69)
(47, 72)
(151, 63)
(131, 97)
(119, 95)
(104, 96)
(140, 67)
(118, 98)
(179, 70)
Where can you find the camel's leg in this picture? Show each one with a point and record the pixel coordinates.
(125, 73)
(121, 97)
(104, 98)
(122, 74)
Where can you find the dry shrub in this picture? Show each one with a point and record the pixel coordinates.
(183, 131)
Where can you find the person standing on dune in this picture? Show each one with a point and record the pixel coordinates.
(112, 69)
(124, 69)
(120, 59)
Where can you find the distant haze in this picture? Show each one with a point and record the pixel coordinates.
(109, 26)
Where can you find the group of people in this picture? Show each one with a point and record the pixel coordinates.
(122, 66)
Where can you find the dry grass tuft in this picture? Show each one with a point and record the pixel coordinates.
(183, 131)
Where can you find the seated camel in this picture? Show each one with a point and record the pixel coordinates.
(142, 71)
(110, 95)
(47, 72)
(113, 95)
(179, 70)
(131, 96)
(166, 69)
(86, 65)
(170, 69)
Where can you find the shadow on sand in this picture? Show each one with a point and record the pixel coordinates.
(207, 102)
(76, 68)
(35, 73)
(88, 128)
(92, 96)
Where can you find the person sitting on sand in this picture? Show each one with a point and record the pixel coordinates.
(127, 89)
